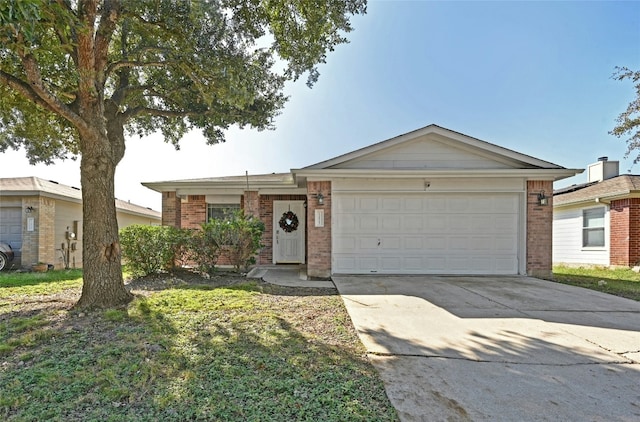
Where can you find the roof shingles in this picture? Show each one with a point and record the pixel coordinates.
(619, 186)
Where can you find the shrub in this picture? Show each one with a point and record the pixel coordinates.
(237, 236)
(150, 249)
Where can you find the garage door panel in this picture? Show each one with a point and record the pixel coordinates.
(457, 224)
(437, 205)
(368, 222)
(448, 233)
(413, 223)
(411, 243)
(367, 243)
(391, 264)
(413, 204)
(391, 243)
(391, 223)
(368, 204)
(391, 204)
(435, 243)
(345, 244)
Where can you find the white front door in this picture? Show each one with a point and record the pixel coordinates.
(288, 232)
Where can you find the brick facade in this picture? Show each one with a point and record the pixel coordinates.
(539, 229)
(319, 262)
(194, 211)
(625, 232)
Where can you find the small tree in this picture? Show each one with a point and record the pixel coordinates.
(629, 120)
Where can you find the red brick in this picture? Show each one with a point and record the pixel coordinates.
(539, 229)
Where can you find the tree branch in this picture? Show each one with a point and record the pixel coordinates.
(138, 111)
(113, 67)
(37, 93)
(106, 27)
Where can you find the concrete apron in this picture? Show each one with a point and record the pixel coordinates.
(498, 348)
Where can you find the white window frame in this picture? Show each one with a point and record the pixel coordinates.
(587, 215)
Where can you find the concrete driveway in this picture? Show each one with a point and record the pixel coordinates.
(498, 348)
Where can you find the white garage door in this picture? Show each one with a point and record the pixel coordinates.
(425, 234)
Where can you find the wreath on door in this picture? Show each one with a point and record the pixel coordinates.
(289, 222)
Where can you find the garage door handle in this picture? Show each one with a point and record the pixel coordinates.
(378, 242)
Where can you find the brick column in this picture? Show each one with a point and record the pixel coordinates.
(30, 239)
(539, 229)
(318, 238)
(171, 209)
(39, 245)
(251, 203)
(624, 222)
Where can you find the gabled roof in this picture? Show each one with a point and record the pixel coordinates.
(29, 186)
(434, 151)
(619, 187)
(453, 138)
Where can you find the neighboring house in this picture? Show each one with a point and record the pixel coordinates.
(432, 201)
(598, 222)
(42, 220)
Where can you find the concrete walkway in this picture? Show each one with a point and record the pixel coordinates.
(287, 275)
(498, 348)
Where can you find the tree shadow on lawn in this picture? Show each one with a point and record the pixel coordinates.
(237, 356)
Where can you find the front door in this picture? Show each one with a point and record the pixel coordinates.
(288, 232)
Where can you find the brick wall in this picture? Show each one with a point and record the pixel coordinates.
(194, 212)
(266, 216)
(539, 229)
(319, 258)
(624, 219)
(39, 245)
(171, 209)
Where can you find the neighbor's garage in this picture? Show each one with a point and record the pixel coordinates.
(426, 233)
(11, 228)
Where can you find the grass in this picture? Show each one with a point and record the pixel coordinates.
(14, 283)
(250, 352)
(621, 282)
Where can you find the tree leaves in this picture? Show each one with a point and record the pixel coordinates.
(629, 120)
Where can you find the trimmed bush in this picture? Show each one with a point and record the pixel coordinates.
(151, 249)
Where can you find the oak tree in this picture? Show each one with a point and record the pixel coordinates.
(628, 122)
(79, 76)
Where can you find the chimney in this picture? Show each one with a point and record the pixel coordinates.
(602, 170)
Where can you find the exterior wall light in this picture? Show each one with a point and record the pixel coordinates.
(542, 199)
(320, 198)
(29, 210)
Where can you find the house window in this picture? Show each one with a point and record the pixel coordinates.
(220, 211)
(593, 227)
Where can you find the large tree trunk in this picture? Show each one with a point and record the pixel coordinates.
(103, 283)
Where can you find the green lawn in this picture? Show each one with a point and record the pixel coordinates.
(194, 351)
(619, 282)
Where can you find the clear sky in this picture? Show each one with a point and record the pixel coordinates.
(534, 77)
